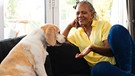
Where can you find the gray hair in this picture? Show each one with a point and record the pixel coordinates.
(92, 9)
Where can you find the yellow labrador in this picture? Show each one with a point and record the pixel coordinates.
(27, 58)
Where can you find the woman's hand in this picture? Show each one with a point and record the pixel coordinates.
(79, 55)
(74, 23)
(105, 51)
(84, 52)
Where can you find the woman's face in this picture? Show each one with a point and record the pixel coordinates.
(83, 14)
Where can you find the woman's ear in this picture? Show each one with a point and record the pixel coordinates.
(50, 36)
(93, 15)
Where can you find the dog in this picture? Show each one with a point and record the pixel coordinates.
(27, 58)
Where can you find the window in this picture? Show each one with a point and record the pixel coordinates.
(67, 13)
(113, 11)
(19, 17)
(22, 16)
(1, 20)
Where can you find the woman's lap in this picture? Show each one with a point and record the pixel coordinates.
(107, 69)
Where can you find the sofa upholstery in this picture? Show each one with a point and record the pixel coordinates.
(59, 62)
(6, 45)
(64, 62)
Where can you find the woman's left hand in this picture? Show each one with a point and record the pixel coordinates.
(79, 55)
(84, 52)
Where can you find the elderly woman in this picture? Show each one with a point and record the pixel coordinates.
(91, 36)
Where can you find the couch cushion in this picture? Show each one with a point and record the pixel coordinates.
(63, 60)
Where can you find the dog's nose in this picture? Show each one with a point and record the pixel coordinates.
(64, 39)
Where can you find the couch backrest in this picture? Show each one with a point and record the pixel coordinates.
(6, 45)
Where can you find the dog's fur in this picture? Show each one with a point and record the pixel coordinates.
(27, 58)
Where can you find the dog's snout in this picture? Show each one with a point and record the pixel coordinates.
(64, 37)
(61, 38)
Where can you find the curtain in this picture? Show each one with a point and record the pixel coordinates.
(131, 17)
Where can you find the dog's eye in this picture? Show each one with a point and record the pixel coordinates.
(59, 32)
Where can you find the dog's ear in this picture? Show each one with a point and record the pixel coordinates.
(50, 36)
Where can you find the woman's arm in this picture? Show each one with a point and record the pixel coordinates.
(66, 31)
(106, 50)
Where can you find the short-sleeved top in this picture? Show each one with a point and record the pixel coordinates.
(99, 33)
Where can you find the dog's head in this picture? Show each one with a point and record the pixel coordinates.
(52, 34)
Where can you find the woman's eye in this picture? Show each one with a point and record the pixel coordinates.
(84, 12)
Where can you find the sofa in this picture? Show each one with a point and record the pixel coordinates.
(61, 60)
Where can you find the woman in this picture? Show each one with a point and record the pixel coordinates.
(90, 35)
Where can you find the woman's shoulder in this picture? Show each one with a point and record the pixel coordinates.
(77, 31)
(74, 31)
(99, 22)
(102, 21)
(102, 24)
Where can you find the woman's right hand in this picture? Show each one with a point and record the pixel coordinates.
(74, 23)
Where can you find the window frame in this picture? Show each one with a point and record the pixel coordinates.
(1, 19)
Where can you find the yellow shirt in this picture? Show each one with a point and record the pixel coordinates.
(99, 33)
